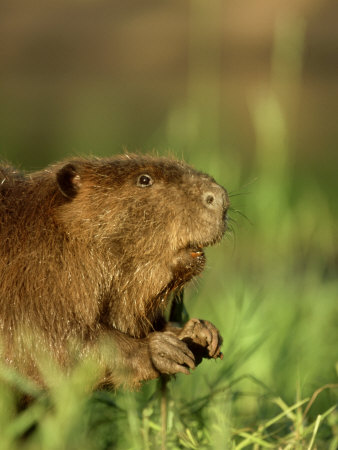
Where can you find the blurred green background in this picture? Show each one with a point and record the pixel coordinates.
(246, 91)
(98, 76)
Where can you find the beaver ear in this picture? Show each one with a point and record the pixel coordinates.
(69, 181)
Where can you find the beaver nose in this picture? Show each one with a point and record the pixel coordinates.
(217, 198)
(209, 198)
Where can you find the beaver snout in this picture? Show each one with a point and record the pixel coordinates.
(216, 198)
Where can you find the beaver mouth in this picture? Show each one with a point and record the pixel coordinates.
(195, 251)
(197, 248)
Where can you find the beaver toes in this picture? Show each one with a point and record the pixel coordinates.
(90, 250)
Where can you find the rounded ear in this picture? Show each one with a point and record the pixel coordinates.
(69, 181)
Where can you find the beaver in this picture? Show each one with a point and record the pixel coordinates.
(91, 250)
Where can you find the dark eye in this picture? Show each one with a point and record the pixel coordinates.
(144, 180)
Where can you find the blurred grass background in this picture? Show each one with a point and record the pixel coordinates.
(247, 92)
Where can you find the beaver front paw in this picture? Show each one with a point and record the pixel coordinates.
(169, 354)
(202, 338)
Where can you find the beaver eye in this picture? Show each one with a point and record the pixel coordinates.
(144, 180)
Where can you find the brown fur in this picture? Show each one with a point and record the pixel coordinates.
(87, 254)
